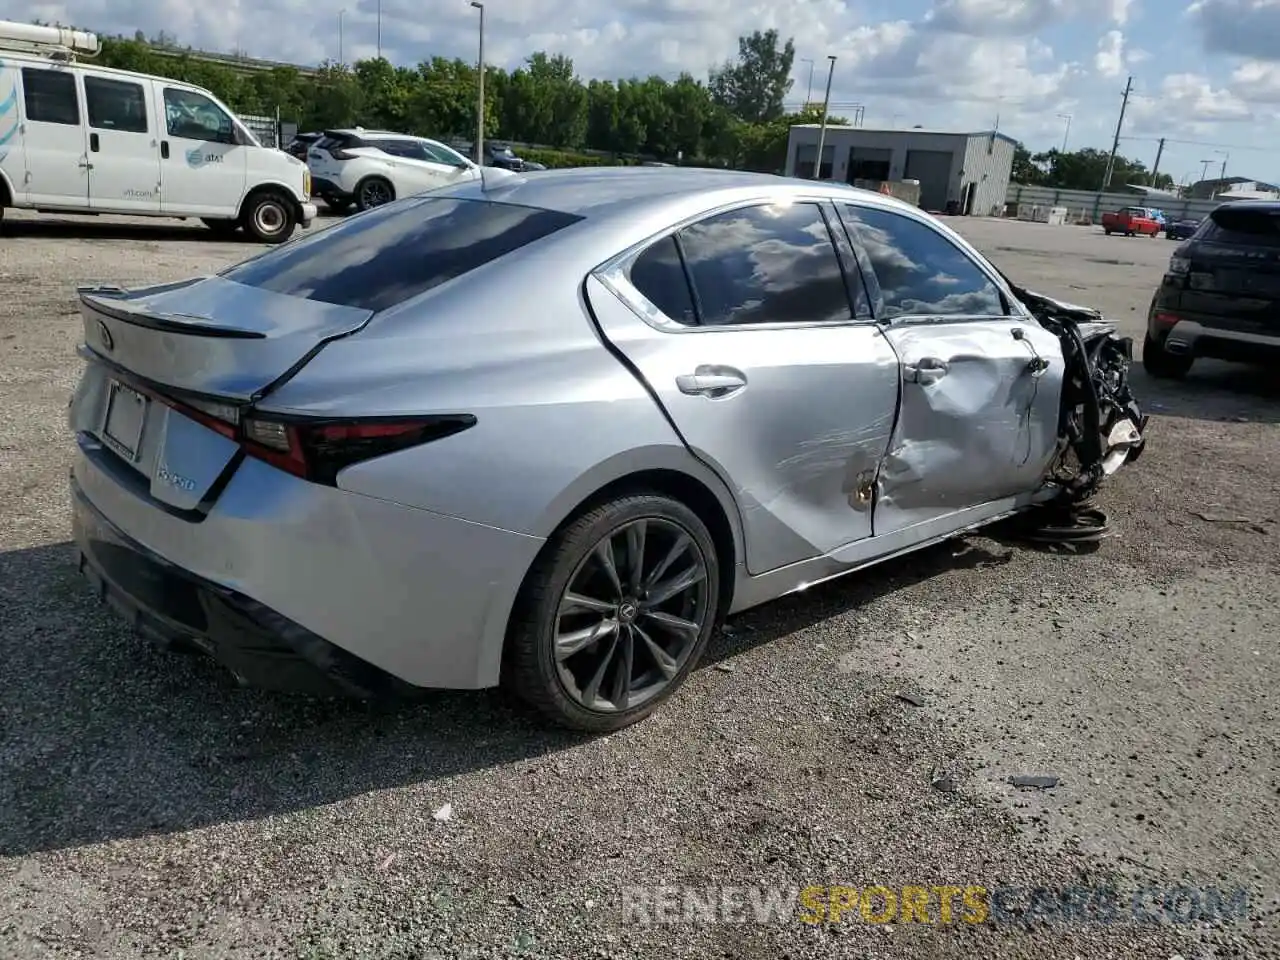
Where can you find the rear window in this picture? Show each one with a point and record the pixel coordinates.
(381, 258)
(1251, 228)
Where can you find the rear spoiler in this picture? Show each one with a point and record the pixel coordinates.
(111, 302)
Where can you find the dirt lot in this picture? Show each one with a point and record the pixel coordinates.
(149, 807)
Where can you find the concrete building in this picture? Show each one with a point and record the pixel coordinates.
(971, 170)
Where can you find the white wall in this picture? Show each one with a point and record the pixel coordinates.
(1083, 203)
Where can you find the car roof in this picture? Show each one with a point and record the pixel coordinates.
(1265, 205)
(633, 191)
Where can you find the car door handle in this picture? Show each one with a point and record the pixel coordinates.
(164, 149)
(927, 370)
(711, 382)
(93, 142)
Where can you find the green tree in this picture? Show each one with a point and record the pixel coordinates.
(754, 87)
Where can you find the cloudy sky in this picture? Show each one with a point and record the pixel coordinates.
(1206, 73)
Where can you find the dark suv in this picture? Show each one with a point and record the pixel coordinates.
(1220, 296)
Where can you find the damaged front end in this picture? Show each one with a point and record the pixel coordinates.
(1101, 426)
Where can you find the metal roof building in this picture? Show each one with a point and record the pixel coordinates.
(971, 170)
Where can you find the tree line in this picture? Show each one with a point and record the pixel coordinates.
(736, 118)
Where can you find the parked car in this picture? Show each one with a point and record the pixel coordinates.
(83, 139)
(371, 167)
(1130, 220)
(502, 156)
(1220, 296)
(301, 143)
(547, 431)
(1181, 229)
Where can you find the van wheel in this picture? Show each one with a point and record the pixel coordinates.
(615, 614)
(374, 192)
(1163, 365)
(268, 217)
(223, 228)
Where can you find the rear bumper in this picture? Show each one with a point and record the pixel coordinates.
(298, 586)
(1195, 339)
(307, 213)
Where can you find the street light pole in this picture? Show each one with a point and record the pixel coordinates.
(341, 13)
(808, 97)
(379, 29)
(480, 89)
(822, 131)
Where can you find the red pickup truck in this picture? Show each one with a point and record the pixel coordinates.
(1130, 220)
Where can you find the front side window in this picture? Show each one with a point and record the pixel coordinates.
(765, 264)
(398, 251)
(921, 273)
(115, 105)
(50, 96)
(193, 116)
(439, 153)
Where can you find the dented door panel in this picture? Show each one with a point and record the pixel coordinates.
(978, 419)
(799, 442)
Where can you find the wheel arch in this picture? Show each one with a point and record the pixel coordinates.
(270, 186)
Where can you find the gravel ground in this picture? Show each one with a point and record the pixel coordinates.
(148, 807)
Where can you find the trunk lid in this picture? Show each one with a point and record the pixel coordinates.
(1234, 268)
(211, 335)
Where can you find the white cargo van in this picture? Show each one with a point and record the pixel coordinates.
(79, 138)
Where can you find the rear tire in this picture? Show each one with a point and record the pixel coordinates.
(1163, 365)
(595, 607)
(374, 192)
(269, 217)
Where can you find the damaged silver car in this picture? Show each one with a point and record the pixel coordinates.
(548, 431)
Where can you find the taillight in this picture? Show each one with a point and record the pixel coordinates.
(1166, 319)
(313, 449)
(1179, 266)
(318, 450)
(339, 154)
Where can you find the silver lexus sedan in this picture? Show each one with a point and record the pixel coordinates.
(548, 431)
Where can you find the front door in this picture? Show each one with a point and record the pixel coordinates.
(53, 140)
(742, 326)
(123, 145)
(203, 166)
(980, 387)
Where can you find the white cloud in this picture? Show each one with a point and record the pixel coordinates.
(1248, 28)
(1187, 101)
(1109, 60)
(1257, 82)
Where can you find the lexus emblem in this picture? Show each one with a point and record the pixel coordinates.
(105, 336)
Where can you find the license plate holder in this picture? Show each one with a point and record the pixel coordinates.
(125, 419)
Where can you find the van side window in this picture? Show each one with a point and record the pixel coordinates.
(115, 105)
(50, 96)
(193, 116)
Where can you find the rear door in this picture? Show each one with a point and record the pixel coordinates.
(742, 325)
(1233, 277)
(54, 140)
(123, 145)
(980, 387)
(203, 166)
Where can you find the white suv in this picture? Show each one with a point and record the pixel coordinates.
(373, 167)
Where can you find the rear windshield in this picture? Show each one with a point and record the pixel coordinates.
(378, 259)
(1252, 228)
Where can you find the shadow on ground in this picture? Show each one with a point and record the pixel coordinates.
(89, 228)
(1213, 390)
(102, 738)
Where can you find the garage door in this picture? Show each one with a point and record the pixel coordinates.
(933, 169)
(869, 163)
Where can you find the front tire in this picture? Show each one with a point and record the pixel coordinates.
(374, 192)
(614, 615)
(1163, 365)
(269, 217)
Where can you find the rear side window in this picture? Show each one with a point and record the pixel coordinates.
(773, 263)
(115, 105)
(659, 275)
(50, 96)
(381, 258)
(1248, 228)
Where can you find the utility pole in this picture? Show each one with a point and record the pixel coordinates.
(1155, 168)
(341, 13)
(808, 97)
(379, 29)
(480, 89)
(1115, 144)
(822, 131)
(1066, 134)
